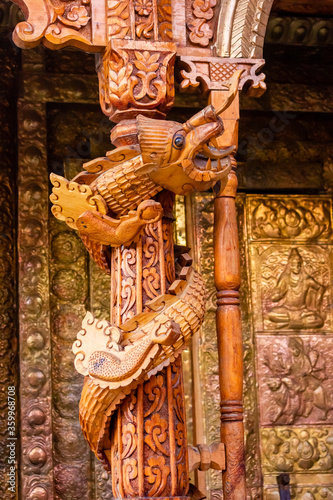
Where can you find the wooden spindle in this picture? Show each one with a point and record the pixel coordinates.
(228, 316)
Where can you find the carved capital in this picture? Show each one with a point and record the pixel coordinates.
(137, 78)
(213, 74)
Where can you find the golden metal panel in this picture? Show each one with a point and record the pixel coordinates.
(286, 297)
(201, 220)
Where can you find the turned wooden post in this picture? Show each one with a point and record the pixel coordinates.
(228, 316)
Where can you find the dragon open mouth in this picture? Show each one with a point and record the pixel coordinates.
(209, 164)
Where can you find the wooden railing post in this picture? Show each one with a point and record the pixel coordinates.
(228, 316)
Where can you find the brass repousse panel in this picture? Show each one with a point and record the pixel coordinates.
(289, 242)
(295, 380)
(284, 305)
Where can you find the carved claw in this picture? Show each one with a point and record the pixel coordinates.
(167, 333)
(116, 232)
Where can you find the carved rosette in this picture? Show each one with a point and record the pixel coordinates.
(136, 78)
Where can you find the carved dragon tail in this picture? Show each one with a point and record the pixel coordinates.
(117, 359)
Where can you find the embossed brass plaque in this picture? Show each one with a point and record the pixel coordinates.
(287, 254)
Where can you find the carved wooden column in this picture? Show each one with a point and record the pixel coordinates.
(149, 445)
(228, 317)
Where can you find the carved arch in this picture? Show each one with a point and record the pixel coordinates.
(241, 28)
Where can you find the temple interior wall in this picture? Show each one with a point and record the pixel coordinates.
(51, 122)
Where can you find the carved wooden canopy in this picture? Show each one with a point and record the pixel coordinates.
(201, 32)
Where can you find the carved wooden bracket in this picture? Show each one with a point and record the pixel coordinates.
(214, 72)
(204, 457)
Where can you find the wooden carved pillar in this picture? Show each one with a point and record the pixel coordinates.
(228, 317)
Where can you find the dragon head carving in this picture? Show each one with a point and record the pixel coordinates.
(181, 157)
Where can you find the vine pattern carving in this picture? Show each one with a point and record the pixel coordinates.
(200, 28)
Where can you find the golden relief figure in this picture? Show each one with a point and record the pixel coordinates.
(297, 379)
(299, 295)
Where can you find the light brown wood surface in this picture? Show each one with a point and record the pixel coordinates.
(228, 322)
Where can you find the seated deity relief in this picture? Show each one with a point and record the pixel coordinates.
(298, 297)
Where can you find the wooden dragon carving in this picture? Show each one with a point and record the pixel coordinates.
(109, 204)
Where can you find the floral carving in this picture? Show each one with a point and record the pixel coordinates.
(157, 473)
(143, 7)
(144, 22)
(76, 17)
(130, 472)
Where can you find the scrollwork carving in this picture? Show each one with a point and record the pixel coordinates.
(56, 24)
(215, 73)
